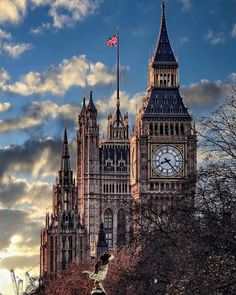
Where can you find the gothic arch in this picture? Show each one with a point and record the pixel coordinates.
(121, 228)
(108, 226)
(63, 252)
(51, 253)
(70, 249)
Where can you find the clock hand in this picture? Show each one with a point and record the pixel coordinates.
(173, 168)
(166, 161)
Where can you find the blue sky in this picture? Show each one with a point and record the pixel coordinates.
(52, 52)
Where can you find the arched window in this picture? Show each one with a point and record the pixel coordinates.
(166, 129)
(121, 228)
(70, 248)
(63, 252)
(177, 129)
(161, 129)
(156, 128)
(108, 226)
(151, 128)
(56, 253)
(51, 254)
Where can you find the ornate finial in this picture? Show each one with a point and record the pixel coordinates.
(163, 5)
(91, 94)
(65, 134)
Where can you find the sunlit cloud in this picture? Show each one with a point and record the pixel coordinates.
(37, 113)
(12, 11)
(77, 71)
(5, 35)
(15, 50)
(4, 107)
(66, 13)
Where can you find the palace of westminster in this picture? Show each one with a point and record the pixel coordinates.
(91, 210)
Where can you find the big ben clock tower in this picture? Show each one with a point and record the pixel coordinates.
(163, 144)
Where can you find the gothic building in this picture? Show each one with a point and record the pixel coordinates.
(163, 145)
(153, 162)
(103, 169)
(64, 239)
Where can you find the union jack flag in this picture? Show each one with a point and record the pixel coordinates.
(113, 41)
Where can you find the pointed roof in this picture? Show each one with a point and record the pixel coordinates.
(84, 109)
(91, 107)
(65, 157)
(163, 52)
(118, 118)
(166, 103)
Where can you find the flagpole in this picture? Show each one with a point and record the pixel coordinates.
(118, 72)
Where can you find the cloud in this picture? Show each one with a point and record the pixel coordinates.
(29, 159)
(128, 104)
(77, 71)
(4, 106)
(11, 222)
(19, 244)
(204, 93)
(4, 77)
(233, 33)
(100, 75)
(38, 113)
(20, 261)
(215, 38)
(18, 231)
(19, 193)
(108, 105)
(66, 13)
(184, 41)
(5, 35)
(21, 123)
(40, 29)
(15, 50)
(139, 32)
(186, 4)
(12, 11)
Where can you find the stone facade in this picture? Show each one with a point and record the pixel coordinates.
(153, 163)
(103, 176)
(163, 145)
(64, 239)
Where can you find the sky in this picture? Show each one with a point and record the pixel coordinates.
(52, 52)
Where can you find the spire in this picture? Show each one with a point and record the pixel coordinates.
(65, 158)
(163, 7)
(91, 107)
(65, 136)
(163, 52)
(83, 110)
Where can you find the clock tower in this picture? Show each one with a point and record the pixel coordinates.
(163, 144)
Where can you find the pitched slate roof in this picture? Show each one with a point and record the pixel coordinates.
(163, 52)
(165, 103)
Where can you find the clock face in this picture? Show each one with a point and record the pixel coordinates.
(167, 161)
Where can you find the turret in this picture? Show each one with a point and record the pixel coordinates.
(65, 174)
(91, 109)
(163, 67)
